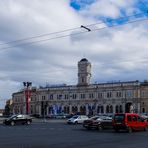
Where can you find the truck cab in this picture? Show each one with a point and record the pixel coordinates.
(129, 122)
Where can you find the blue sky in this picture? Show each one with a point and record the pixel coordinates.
(118, 53)
(80, 4)
(140, 5)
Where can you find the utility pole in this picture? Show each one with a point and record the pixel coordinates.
(27, 86)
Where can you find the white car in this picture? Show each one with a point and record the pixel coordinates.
(77, 119)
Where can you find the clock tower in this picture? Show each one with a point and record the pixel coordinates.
(84, 72)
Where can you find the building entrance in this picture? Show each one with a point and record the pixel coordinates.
(128, 107)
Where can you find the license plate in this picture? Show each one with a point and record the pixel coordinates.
(118, 123)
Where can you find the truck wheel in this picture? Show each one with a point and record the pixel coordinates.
(129, 130)
(116, 130)
(145, 128)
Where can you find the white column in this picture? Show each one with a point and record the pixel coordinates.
(78, 108)
(40, 110)
(70, 108)
(87, 111)
(123, 107)
(104, 106)
(47, 110)
(139, 108)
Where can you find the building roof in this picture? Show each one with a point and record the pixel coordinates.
(84, 60)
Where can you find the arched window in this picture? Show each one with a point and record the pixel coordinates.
(120, 109)
(99, 109)
(66, 109)
(83, 110)
(111, 109)
(102, 109)
(74, 109)
(143, 110)
(117, 109)
(107, 109)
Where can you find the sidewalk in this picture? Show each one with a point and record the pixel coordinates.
(39, 120)
(42, 120)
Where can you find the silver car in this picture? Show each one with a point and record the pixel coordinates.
(77, 119)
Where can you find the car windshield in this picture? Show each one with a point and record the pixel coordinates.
(12, 116)
(75, 117)
(119, 117)
(94, 118)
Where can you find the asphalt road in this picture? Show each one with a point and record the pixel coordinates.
(57, 134)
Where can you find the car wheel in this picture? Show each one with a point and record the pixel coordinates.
(116, 130)
(100, 128)
(12, 123)
(28, 122)
(88, 128)
(145, 128)
(129, 130)
(76, 122)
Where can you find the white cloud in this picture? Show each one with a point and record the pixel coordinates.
(115, 53)
(109, 8)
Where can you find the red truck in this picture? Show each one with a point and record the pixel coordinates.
(129, 122)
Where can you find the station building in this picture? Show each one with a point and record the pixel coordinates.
(84, 98)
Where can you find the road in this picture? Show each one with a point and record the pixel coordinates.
(57, 134)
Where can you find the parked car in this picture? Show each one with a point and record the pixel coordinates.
(129, 122)
(98, 122)
(145, 119)
(60, 116)
(18, 119)
(77, 119)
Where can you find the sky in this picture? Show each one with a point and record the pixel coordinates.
(42, 42)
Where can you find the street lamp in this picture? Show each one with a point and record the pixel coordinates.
(27, 85)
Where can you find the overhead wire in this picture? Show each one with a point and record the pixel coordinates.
(38, 36)
(47, 34)
(2, 49)
(71, 29)
(29, 43)
(62, 36)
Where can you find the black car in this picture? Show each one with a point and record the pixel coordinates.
(18, 119)
(98, 122)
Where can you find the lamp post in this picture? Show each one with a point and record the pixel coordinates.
(27, 85)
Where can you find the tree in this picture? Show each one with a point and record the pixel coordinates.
(7, 110)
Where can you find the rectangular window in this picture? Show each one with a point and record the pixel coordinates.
(59, 96)
(109, 94)
(91, 95)
(139, 119)
(82, 80)
(119, 94)
(129, 93)
(43, 98)
(134, 118)
(129, 118)
(74, 96)
(100, 95)
(51, 97)
(143, 94)
(66, 96)
(82, 96)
